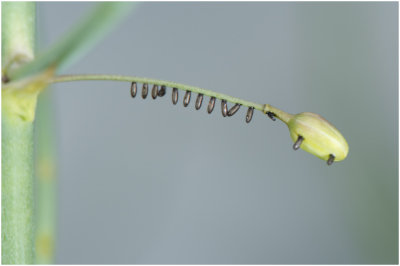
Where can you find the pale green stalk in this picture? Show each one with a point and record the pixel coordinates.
(46, 181)
(309, 131)
(17, 191)
(18, 28)
(17, 140)
(265, 108)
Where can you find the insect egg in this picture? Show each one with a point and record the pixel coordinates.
(199, 101)
(133, 89)
(331, 159)
(162, 91)
(249, 114)
(234, 109)
(154, 91)
(271, 115)
(224, 108)
(298, 142)
(145, 90)
(211, 105)
(186, 98)
(174, 95)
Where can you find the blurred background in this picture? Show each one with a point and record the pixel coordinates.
(147, 182)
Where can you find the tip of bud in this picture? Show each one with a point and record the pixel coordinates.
(320, 137)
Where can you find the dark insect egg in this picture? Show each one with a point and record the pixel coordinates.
(186, 98)
(133, 89)
(211, 105)
(174, 95)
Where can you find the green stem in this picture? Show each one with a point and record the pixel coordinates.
(46, 180)
(265, 108)
(18, 34)
(17, 191)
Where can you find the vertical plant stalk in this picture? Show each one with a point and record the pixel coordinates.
(17, 191)
(18, 34)
(46, 182)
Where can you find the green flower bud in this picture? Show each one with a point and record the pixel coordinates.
(320, 137)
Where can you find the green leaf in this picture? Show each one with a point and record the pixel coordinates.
(83, 37)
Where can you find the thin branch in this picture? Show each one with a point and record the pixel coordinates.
(265, 108)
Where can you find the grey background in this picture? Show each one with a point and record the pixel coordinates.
(143, 181)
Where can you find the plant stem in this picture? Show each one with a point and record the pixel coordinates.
(18, 34)
(265, 108)
(17, 191)
(46, 181)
